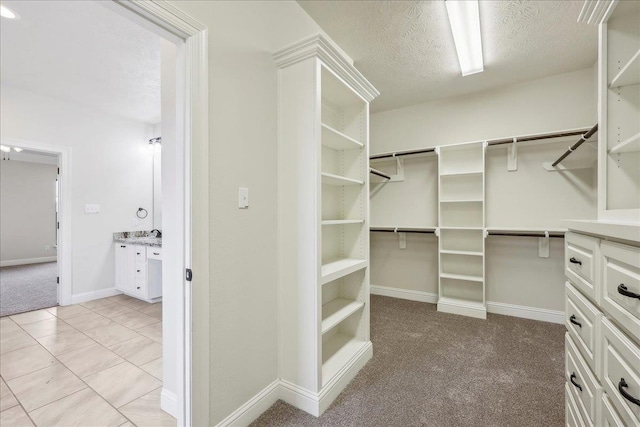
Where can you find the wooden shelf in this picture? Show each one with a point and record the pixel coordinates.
(464, 277)
(461, 173)
(331, 179)
(340, 268)
(629, 74)
(629, 145)
(337, 140)
(336, 352)
(342, 221)
(334, 312)
(462, 201)
(469, 253)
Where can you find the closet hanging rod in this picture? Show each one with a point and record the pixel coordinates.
(536, 137)
(402, 153)
(524, 234)
(571, 149)
(377, 172)
(403, 230)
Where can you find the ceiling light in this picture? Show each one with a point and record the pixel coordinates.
(17, 149)
(5, 149)
(5, 12)
(464, 18)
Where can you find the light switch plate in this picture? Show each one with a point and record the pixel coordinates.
(243, 198)
(92, 209)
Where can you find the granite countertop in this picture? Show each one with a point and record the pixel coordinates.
(143, 238)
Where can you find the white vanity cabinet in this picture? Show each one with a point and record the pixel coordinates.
(139, 271)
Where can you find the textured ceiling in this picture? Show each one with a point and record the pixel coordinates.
(82, 52)
(405, 48)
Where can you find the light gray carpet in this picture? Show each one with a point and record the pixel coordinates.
(436, 369)
(28, 287)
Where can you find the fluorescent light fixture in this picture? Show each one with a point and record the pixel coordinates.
(464, 18)
(5, 12)
(5, 149)
(17, 149)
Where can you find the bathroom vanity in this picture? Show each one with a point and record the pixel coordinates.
(138, 264)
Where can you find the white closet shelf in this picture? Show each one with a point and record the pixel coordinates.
(629, 74)
(336, 352)
(340, 268)
(465, 277)
(528, 229)
(470, 253)
(469, 173)
(461, 228)
(336, 311)
(463, 201)
(342, 221)
(629, 145)
(337, 140)
(331, 179)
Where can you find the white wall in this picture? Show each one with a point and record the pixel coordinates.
(110, 166)
(27, 212)
(243, 132)
(528, 197)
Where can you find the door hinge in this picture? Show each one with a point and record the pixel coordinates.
(58, 171)
(189, 275)
(58, 225)
(58, 280)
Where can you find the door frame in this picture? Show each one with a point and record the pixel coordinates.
(191, 38)
(63, 252)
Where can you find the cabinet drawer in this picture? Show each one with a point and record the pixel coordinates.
(621, 373)
(154, 253)
(140, 286)
(621, 285)
(608, 415)
(583, 323)
(140, 271)
(580, 260)
(582, 383)
(141, 253)
(573, 418)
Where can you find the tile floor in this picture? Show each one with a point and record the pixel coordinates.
(94, 364)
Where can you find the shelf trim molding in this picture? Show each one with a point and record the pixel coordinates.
(321, 47)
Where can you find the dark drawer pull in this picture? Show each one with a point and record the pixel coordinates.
(137, 253)
(573, 320)
(156, 253)
(622, 290)
(122, 246)
(572, 379)
(621, 388)
(138, 287)
(138, 271)
(575, 261)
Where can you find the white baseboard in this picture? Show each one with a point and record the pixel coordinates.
(254, 407)
(513, 310)
(524, 312)
(300, 398)
(169, 402)
(12, 262)
(90, 296)
(404, 294)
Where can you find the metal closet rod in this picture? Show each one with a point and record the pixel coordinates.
(582, 139)
(377, 172)
(496, 142)
(401, 230)
(402, 153)
(501, 233)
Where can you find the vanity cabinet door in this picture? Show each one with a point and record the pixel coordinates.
(124, 266)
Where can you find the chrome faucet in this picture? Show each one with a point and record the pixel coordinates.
(156, 233)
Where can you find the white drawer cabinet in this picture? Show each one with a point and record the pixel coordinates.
(602, 316)
(621, 283)
(138, 271)
(581, 262)
(621, 373)
(582, 320)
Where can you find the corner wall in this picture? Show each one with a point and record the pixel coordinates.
(27, 212)
(528, 197)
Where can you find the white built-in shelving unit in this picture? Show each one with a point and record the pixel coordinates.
(619, 121)
(461, 216)
(323, 222)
